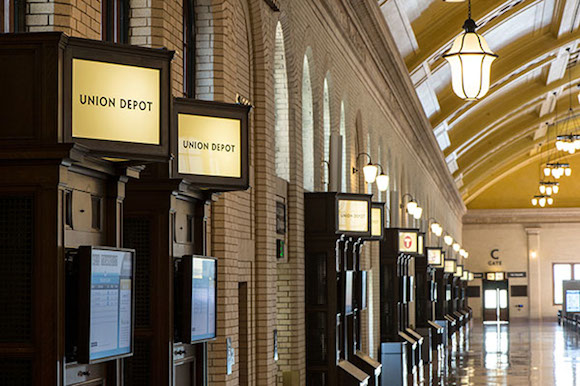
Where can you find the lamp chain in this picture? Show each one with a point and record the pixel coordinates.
(469, 9)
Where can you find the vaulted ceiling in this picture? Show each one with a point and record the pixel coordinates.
(485, 142)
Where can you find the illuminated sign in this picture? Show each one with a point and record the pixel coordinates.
(458, 271)
(408, 242)
(434, 257)
(449, 266)
(377, 221)
(353, 216)
(490, 276)
(209, 146)
(116, 102)
(420, 245)
(499, 276)
(209, 142)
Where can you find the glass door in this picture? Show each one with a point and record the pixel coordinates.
(495, 301)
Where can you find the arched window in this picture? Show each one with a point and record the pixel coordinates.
(12, 16)
(343, 187)
(307, 127)
(281, 107)
(115, 21)
(326, 128)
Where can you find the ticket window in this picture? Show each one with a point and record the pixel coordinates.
(495, 301)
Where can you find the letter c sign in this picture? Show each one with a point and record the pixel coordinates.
(494, 254)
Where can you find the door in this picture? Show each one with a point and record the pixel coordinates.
(495, 301)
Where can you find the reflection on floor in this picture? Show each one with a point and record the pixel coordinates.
(516, 354)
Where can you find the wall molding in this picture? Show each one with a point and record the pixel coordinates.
(522, 216)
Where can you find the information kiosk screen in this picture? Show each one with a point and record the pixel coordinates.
(203, 298)
(106, 283)
(572, 300)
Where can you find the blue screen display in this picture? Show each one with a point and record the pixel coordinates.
(203, 302)
(111, 303)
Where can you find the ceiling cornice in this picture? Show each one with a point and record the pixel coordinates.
(521, 216)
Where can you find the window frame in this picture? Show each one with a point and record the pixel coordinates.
(189, 48)
(115, 21)
(572, 265)
(12, 16)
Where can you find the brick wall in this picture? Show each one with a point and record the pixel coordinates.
(236, 54)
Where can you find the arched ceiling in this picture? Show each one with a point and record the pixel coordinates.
(486, 142)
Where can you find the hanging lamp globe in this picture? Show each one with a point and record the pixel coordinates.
(470, 59)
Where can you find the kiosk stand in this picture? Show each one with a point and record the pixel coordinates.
(443, 310)
(400, 349)
(70, 145)
(335, 226)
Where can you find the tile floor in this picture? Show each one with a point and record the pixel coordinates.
(539, 354)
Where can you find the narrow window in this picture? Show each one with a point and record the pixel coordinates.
(189, 48)
(561, 272)
(115, 21)
(12, 15)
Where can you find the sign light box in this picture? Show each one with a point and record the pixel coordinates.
(434, 257)
(199, 296)
(449, 266)
(377, 220)
(408, 241)
(353, 216)
(106, 302)
(420, 244)
(115, 102)
(210, 143)
(458, 271)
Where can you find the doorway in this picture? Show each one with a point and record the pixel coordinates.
(495, 301)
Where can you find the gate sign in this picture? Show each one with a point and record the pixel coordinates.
(408, 242)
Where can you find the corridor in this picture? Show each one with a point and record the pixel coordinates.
(516, 354)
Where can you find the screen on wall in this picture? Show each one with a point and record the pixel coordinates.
(348, 293)
(203, 298)
(572, 300)
(110, 304)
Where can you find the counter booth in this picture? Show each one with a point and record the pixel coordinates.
(100, 232)
(337, 225)
(401, 346)
(444, 307)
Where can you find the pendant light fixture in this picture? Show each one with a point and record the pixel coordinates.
(568, 141)
(470, 59)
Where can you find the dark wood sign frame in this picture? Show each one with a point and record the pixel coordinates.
(216, 110)
(84, 304)
(442, 255)
(105, 52)
(381, 206)
(353, 197)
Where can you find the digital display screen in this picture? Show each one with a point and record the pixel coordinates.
(111, 303)
(348, 292)
(203, 299)
(572, 300)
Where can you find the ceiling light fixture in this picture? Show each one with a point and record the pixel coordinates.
(470, 59)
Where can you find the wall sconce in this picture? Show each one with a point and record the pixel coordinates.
(448, 240)
(456, 247)
(436, 228)
(412, 207)
(382, 181)
(533, 254)
(370, 171)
